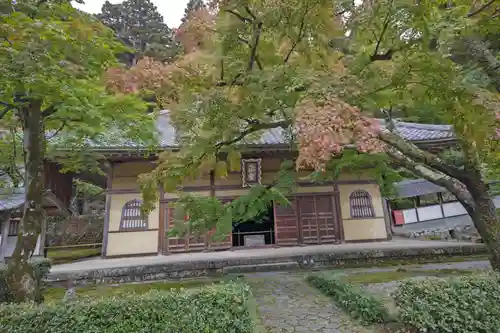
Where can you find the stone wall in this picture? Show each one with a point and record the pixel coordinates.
(461, 233)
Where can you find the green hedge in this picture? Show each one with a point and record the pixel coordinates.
(41, 268)
(466, 304)
(356, 302)
(220, 308)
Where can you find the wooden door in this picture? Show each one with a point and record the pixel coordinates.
(192, 243)
(285, 224)
(226, 242)
(186, 243)
(317, 219)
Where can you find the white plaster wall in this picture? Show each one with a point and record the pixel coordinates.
(410, 215)
(429, 213)
(453, 209)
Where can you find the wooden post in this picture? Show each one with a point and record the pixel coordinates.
(39, 250)
(4, 224)
(440, 198)
(109, 182)
(212, 194)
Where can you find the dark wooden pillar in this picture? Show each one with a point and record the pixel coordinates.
(4, 224)
(161, 222)
(212, 194)
(109, 174)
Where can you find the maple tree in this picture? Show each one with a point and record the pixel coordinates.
(321, 70)
(53, 100)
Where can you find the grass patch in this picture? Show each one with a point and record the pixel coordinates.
(401, 274)
(66, 255)
(56, 294)
(415, 261)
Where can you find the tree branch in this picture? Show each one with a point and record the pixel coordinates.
(222, 70)
(418, 155)
(49, 111)
(243, 40)
(342, 12)
(299, 37)
(257, 30)
(4, 112)
(454, 186)
(480, 9)
(254, 127)
(238, 15)
(8, 41)
(58, 130)
(258, 62)
(388, 55)
(250, 12)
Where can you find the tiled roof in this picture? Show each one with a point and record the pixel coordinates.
(11, 198)
(415, 187)
(275, 136)
(424, 132)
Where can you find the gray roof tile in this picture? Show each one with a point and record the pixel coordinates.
(167, 135)
(11, 198)
(424, 132)
(415, 187)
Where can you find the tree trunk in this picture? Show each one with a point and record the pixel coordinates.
(486, 221)
(22, 282)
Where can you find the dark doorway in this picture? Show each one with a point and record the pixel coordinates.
(258, 231)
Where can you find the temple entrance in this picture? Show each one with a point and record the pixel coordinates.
(255, 232)
(310, 219)
(317, 221)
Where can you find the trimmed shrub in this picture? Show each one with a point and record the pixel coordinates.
(218, 308)
(466, 304)
(41, 268)
(355, 301)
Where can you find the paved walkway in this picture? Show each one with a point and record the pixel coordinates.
(287, 304)
(284, 252)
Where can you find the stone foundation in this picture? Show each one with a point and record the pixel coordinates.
(215, 268)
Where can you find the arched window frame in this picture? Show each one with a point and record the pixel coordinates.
(361, 205)
(131, 218)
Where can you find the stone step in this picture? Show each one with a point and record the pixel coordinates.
(269, 267)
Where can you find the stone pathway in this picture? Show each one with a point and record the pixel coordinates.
(287, 304)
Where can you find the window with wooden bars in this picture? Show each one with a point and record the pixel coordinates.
(14, 227)
(361, 204)
(132, 218)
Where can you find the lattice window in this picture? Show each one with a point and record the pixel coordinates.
(132, 218)
(361, 204)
